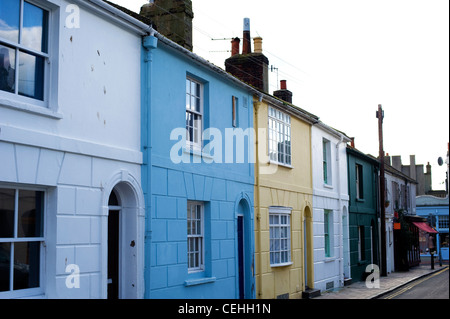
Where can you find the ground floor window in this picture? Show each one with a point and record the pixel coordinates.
(21, 238)
(195, 231)
(280, 236)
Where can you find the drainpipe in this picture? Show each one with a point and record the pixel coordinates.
(341, 243)
(257, 105)
(149, 43)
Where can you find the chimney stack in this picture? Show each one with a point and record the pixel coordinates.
(250, 67)
(171, 18)
(283, 94)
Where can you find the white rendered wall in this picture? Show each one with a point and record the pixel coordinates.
(80, 148)
(333, 197)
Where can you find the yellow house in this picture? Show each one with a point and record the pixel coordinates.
(284, 264)
(283, 199)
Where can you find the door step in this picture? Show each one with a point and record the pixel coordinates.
(347, 281)
(310, 293)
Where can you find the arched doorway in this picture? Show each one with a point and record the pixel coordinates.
(245, 267)
(124, 238)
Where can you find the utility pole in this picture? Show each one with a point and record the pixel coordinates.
(380, 117)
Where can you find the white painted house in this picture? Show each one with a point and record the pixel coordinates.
(70, 155)
(330, 207)
(400, 194)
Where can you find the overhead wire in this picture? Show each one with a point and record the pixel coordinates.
(210, 37)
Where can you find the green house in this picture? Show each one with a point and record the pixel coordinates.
(363, 213)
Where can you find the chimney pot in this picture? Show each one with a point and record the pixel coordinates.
(235, 46)
(247, 46)
(246, 24)
(258, 44)
(283, 85)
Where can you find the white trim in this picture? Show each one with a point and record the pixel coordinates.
(64, 144)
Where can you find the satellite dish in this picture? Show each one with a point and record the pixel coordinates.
(440, 161)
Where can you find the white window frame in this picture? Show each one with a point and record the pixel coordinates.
(48, 106)
(198, 238)
(29, 292)
(328, 221)
(276, 227)
(327, 163)
(280, 132)
(198, 125)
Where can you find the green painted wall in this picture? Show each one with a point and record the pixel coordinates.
(362, 214)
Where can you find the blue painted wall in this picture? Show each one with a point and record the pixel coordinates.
(439, 212)
(226, 190)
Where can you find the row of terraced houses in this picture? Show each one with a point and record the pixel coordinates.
(131, 167)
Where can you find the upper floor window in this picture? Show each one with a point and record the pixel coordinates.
(194, 113)
(359, 182)
(279, 137)
(23, 48)
(21, 239)
(326, 160)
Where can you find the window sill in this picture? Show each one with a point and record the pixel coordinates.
(30, 108)
(360, 200)
(329, 259)
(199, 281)
(328, 186)
(281, 164)
(282, 265)
(196, 152)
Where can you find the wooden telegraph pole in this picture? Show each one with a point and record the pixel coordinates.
(380, 116)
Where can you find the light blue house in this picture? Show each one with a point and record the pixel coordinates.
(436, 209)
(197, 177)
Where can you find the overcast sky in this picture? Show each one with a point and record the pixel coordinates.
(341, 58)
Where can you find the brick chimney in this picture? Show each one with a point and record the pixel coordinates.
(283, 94)
(250, 67)
(171, 18)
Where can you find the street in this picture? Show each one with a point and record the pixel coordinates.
(435, 286)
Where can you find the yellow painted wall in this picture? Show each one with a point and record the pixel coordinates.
(287, 187)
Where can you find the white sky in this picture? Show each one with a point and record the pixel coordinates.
(341, 58)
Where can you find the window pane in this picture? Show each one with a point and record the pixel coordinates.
(26, 265)
(30, 214)
(5, 257)
(7, 213)
(9, 20)
(7, 68)
(31, 76)
(188, 102)
(35, 27)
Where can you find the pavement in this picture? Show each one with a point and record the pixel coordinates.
(359, 290)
